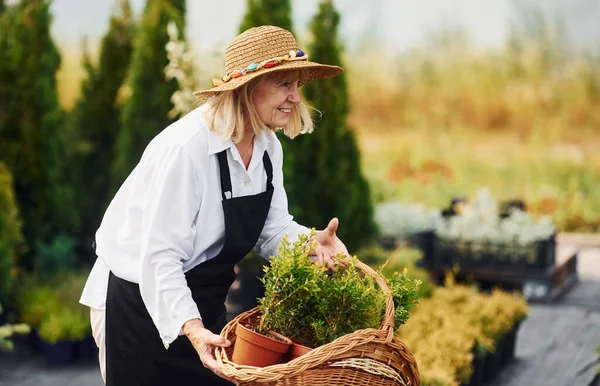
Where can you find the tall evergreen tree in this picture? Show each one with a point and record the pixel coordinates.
(323, 174)
(31, 135)
(11, 237)
(267, 12)
(145, 112)
(95, 122)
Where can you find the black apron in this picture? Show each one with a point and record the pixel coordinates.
(135, 354)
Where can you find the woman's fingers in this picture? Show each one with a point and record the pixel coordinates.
(218, 340)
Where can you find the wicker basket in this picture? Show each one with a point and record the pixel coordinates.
(366, 357)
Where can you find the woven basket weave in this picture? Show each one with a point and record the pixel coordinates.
(369, 357)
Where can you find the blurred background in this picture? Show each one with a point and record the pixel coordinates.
(464, 121)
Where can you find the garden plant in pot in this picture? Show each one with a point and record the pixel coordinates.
(313, 306)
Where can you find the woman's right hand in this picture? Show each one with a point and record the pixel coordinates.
(204, 341)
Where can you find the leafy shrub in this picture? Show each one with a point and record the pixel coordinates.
(64, 323)
(51, 305)
(389, 262)
(307, 302)
(445, 330)
(6, 331)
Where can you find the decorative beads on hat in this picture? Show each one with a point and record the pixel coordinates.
(293, 55)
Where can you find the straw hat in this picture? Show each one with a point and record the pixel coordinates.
(260, 50)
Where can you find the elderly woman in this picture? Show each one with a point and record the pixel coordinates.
(207, 190)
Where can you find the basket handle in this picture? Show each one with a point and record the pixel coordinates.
(388, 319)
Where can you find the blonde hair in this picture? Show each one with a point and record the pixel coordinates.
(230, 112)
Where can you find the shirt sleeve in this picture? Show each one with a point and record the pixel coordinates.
(167, 239)
(279, 222)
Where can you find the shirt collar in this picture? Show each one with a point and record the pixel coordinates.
(217, 145)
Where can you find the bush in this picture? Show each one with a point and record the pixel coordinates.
(6, 331)
(398, 260)
(51, 305)
(64, 323)
(445, 330)
(308, 302)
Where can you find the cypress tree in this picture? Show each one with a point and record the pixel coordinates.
(324, 179)
(95, 122)
(267, 12)
(145, 112)
(11, 237)
(31, 135)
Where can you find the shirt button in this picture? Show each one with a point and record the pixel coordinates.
(246, 183)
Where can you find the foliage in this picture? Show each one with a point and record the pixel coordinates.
(323, 178)
(403, 260)
(267, 12)
(64, 323)
(6, 331)
(290, 283)
(31, 140)
(11, 237)
(446, 330)
(52, 303)
(145, 112)
(316, 306)
(56, 257)
(94, 123)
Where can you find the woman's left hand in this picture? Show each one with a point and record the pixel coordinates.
(329, 245)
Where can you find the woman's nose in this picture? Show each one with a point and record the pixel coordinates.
(294, 95)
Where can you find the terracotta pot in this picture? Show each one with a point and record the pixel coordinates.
(254, 349)
(297, 350)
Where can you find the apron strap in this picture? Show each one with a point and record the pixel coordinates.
(269, 170)
(226, 178)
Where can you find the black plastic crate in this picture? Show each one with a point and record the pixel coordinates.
(538, 256)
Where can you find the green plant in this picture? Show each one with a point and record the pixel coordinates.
(64, 323)
(6, 331)
(389, 262)
(323, 176)
(290, 285)
(348, 301)
(39, 297)
(55, 257)
(146, 111)
(307, 302)
(32, 142)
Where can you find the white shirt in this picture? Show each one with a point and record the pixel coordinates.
(167, 218)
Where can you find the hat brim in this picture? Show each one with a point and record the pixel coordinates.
(313, 70)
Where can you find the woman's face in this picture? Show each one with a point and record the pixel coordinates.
(274, 100)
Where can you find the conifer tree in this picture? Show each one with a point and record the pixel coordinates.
(267, 12)
(145, 112)
(11, 237)
(31, 133)
(95, 123)
(323, 174)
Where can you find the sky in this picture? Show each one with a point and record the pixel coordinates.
(396, 25)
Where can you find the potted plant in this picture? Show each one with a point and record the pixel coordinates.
(60, 331)
(314, 306)
(289, 281)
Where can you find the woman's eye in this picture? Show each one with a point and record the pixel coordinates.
(286, 84)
